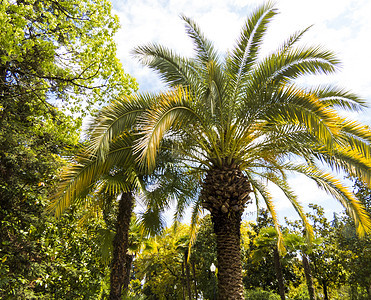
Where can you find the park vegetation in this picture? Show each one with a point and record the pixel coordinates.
(227, 125)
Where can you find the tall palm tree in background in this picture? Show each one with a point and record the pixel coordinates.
(106, 171)
(241, 121)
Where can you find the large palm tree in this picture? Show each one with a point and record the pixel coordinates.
(106, 170)
(242, 121)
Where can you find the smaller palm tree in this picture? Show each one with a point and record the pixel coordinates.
(106, 168)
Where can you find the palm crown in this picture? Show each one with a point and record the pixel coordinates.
(250, 113)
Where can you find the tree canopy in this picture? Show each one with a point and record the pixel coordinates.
(57, 64)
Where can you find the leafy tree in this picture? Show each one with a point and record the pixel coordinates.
(61, 50)
(298, 242)
(260, 254)
(267, 241)
(203, 255)
(358, 264)
(239, 120)
(326, 259)
(162, 269)
(54, 54)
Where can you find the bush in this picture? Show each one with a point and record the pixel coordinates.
(260, 294)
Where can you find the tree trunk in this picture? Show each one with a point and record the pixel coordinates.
(308, 276)
(227, 232)
(278, 267)
(119, 273)
(128, 265)
(188, 277)
(225, 192)
(194, 278)
(324, 286)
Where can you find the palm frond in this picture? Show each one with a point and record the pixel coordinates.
(264, 193)
(281, 69)
(171, 112)
(116, 120)
(173, 69)
(290, 195)
(336, 97)
(245, 53)
(204, 48)
(335, 188)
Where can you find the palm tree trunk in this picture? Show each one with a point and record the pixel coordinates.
(120, 246)
(278, 267)
(128, 265)
(227, 232)
(224, 193)
(308, 276)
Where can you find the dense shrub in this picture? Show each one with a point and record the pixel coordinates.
(260, 294)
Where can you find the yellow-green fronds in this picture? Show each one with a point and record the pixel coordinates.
(114, 120)
(170, 113)
(334, 187)
(262, 190)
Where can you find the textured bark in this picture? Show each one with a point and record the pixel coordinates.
(225, 193)
(119, 273)
(308, 277)
(128, 265)
(278, 267)
(227, 232)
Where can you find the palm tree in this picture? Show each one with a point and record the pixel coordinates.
(241, 121)
(107, 166)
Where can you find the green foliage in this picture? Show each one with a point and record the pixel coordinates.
(162, 268)
(260, 294)
(358, 260)
(299, 293)
(63, 49)
(56, 58)
(53, 259)
(166, 264)
(30, 156)
(258, 257)
(203, 255)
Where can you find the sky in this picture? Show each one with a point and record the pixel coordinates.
(342, 26)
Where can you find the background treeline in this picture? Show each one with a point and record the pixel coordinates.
(64, 259)
(339, 262)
